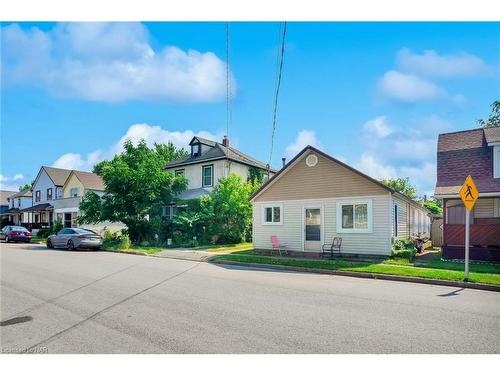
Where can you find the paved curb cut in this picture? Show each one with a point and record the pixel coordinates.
(204, 259)
(365, 275)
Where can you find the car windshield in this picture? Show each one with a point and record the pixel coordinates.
(82, 231)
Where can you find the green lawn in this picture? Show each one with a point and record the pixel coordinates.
(433, 268)
(225, 248)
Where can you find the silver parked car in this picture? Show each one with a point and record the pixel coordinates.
(75, 238)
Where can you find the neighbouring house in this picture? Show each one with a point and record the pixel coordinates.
(46, 189)
(473, 152)
(4, 199)
(67, 206)
(18, 202)
(316, 197)
(208, 162)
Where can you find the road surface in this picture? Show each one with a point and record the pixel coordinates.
(57, 301)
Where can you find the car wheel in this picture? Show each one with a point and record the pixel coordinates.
(7, 239)
(71, 245)
(49, 244)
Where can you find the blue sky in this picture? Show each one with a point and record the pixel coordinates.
(374, 95)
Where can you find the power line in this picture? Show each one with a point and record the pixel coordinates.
(279, 66)
(228, 79)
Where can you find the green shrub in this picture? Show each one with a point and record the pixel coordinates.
(56, 227)
(124, 242)
(406, 254)
(119, 240)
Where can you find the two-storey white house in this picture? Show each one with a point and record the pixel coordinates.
(46, 188)
(208, 162)
(18, 202)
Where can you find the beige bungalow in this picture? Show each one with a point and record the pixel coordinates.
(316, 197)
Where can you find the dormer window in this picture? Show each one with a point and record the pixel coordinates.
(195, 149)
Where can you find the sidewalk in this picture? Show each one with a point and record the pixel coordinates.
(185, 254)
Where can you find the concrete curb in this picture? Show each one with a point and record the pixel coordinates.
(203, 259)
(364, 275)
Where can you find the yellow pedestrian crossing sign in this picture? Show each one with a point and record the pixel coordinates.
(469, 193)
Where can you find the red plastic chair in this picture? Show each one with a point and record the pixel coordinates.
(278, 245)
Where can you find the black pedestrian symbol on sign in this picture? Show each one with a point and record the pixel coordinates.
(468, 193)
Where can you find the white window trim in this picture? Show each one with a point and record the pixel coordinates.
(263, 213)
(496, 161)
(368, 202)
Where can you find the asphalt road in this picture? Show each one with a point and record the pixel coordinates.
(57, 301)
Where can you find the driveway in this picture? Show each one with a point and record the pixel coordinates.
(57, 301)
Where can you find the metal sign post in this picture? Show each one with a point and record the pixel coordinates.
(469, 195)
(466, 260)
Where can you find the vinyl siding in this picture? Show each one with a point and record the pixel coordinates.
(291, 231)
(326, 179)
(403, 218)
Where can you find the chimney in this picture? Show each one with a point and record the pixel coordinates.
(284, 162)
(225, 141)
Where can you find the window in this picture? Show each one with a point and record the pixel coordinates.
(395, 220)
(73, 192)
(49, 194)
(195, 149)
(272, 214)
(59, 193)
(354, 217)
(19, 202)
(179, 172)
(37, 196)
(496, 161)
(207, 175)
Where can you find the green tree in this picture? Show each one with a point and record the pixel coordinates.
(434, 206)
(494, 119)
(256, 175)
(136, 185)
(26, 186)
(228, 210)
(403, 186)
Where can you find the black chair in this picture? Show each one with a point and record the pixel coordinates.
(333, 248)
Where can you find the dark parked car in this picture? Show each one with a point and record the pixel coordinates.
(14, 233)
(75, 238)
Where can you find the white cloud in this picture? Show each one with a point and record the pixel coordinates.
(11, 183)
(135, 133)
(109, 62)
(409, 88)
(304, 138)
(375, 168)
(432, 64)
(408, 151)
(379, 126)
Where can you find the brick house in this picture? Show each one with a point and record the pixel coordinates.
(475, 152)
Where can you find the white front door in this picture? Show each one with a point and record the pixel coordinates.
(312, 229)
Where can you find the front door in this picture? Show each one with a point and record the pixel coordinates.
(312, 229)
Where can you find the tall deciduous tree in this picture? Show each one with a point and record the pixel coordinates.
(494, 119)
(402, 185)
(136, 185)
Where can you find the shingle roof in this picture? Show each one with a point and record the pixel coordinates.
(466, 153)
(492, 135)
(24, 193)
(4, 194)
(57, 175)
(90, 180)
(38, 207)
(217, 151)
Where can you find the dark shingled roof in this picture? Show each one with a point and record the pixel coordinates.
(217, 151)
(466, 152)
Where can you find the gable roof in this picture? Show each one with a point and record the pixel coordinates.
(217, 151)
(464, 153)
(89, 180)
(57, 175)
(332, 159)
(4, 194)
(24, 193)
